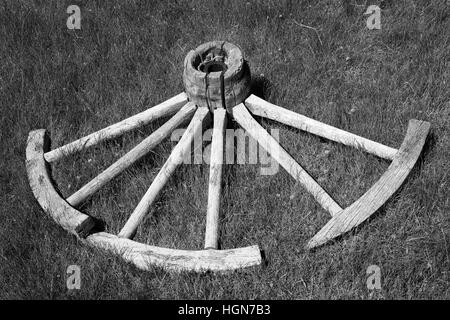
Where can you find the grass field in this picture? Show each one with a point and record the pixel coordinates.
(128, 56)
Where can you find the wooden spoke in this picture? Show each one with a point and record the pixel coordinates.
(201, 116)
(132, 156)
(268, 110)
(165, 108)
(215, 179)
(244, 118)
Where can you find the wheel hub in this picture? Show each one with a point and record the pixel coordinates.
(216, 75)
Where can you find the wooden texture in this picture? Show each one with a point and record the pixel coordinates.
(141, 255)
(132, 156)
(244, 118)
(265, 109)
(175, 159)
(145, 256)
(381, 191)
(205, 89)
(165, 108)
(215, 179)
(48, 198)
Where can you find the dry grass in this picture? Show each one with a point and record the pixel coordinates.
(129, 56)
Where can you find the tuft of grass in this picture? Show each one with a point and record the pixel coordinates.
(129, 56)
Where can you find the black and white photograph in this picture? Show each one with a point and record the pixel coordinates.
(239, 153)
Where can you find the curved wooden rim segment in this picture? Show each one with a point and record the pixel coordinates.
(382, 190)
(45, 193)
(141, 255)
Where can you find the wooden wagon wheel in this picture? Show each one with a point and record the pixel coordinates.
(219, 94)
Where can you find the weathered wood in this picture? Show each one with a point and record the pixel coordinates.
(244, 118)
(201, 116)
(265, 109)
(215, 179)
(38, 175)
(132, 156)
(205, 89)
(142, 255)
(145, 256)
(165, 108)
(381, 191)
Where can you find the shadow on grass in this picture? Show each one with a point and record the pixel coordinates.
(261, 87)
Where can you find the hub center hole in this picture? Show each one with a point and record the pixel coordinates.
(213, 60)
(215, 66)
